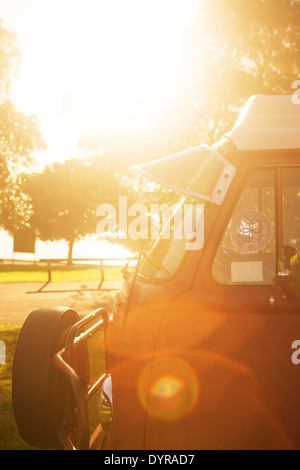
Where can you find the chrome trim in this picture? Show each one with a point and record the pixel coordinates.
(106, 404)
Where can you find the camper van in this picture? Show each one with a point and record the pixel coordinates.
(202, 347)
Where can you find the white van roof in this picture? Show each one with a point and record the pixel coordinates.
(268, 122)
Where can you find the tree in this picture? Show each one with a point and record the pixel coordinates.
(232, 51)
(9, 59)
(65, 197)
(238, 49)
(19, 138)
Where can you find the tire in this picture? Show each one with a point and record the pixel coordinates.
(41, 395)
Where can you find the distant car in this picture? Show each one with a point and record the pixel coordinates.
(203, 346)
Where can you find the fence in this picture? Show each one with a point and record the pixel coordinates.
(51, 263)
(83, 262)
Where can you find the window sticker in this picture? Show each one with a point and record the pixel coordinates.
(247, 271)
(251, 231)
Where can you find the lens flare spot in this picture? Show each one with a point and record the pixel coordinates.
(168, 388)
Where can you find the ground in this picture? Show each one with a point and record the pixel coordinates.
(17, 300)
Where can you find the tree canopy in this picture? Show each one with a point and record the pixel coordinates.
(231, 51)
(65, 197)
(19, 138)
(249, 47)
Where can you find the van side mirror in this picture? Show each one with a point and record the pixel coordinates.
(289, 259)
(287, 281)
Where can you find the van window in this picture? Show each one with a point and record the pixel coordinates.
(247, 251)
(169, 249)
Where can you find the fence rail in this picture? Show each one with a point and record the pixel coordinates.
(82, 262)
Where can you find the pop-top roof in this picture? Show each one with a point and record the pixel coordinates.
(268, 122)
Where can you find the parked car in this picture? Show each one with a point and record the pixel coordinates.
(203, 342)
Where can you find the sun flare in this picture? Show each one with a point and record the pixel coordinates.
(92, 65)
(115, 56)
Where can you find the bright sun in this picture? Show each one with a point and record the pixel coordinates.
(114, 55)
(98, 64)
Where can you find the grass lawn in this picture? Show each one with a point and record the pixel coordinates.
(38, 273)
(10, 438)
(9, 435)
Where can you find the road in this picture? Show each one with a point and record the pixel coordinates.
(17, 300)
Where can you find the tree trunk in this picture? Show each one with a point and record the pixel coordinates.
(70, 253)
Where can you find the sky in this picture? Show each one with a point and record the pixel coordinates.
(80, 47)
(87, 61)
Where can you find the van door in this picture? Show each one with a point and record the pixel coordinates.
(266, 217)
(222, 374)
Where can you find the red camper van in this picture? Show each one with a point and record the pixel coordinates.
(202, 348)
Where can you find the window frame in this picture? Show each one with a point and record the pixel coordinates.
(277, 165)
(246, 176)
